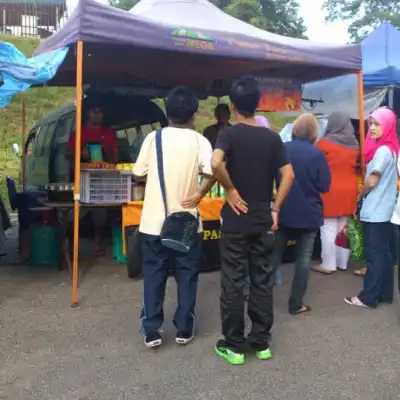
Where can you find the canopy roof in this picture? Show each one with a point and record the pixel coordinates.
(155, 45)
(381, 56)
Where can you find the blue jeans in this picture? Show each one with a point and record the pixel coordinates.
(305, 239)
(157, 262)
(379, 279)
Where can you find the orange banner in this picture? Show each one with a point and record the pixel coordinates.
(279, 95)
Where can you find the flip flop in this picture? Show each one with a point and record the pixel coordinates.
(303, 309)
(322, 270)
(360, 272)
(354, 301)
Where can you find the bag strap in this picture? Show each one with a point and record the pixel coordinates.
(160, 166)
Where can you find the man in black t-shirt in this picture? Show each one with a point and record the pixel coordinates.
(245, 161)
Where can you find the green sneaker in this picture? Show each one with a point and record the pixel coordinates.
(229, 355)
(264, 354)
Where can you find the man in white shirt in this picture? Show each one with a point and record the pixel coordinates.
(186, 154)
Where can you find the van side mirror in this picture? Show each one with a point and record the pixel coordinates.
(15, 149)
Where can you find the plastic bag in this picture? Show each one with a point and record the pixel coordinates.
(356, 239)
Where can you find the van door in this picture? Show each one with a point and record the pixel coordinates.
(41, 153)
(59, 165)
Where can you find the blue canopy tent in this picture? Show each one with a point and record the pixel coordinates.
(381, 73)
(381, 57)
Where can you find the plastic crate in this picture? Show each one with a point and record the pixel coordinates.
(105, 186)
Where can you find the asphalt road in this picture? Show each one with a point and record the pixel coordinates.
(49, 350)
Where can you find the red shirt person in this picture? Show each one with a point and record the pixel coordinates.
(94, 133)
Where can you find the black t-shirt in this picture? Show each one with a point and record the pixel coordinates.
(253, 158)
(211, 133)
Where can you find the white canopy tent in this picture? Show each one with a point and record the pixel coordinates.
(340, 94)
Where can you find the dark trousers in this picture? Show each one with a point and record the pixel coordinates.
(305, 239)
(394, 244)
(239, 250)
(157, 261)
(379, 279)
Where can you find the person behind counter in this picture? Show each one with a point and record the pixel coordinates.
(94, 133)
(186, 154)
(222, 115)
(253, 156)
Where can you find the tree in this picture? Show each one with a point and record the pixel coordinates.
(364, 15)
(277, 16)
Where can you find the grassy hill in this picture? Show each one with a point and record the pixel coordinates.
(40, 101)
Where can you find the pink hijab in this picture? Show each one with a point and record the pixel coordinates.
(387, 120)
(262, 121)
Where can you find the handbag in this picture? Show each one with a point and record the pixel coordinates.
(342, 239)
(179, 228)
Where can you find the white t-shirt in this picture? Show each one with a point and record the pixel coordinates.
(396, 213)
(186, 154)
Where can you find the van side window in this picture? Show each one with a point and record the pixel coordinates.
(156, 126)
(146, 129)
(64, 128)
(48, 138)
(30, 142)
(41, 138)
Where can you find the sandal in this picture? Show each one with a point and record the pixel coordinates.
(323, 270)
(360, 272)
(303, 309)
(354, 301)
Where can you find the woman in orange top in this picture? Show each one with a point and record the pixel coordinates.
(341, 149)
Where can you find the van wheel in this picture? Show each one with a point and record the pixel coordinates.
(134, 252)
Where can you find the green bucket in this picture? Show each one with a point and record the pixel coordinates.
(44, 246)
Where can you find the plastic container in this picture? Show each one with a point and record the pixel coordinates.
(117, 246)
(95, 152)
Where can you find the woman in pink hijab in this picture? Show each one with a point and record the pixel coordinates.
(378, 197)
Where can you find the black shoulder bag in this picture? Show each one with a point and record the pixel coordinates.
(179, 228)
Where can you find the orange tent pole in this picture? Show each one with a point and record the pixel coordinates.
(361, 118)
(23, 138)
(77, 168)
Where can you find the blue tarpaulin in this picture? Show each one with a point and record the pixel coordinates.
(381, 57)
(19, 72)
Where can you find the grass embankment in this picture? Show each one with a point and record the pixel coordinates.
(40, 101)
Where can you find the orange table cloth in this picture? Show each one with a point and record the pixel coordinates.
(210, 210)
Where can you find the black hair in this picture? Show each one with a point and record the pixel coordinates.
(222, 107)
(245, 95)
(181, 105)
